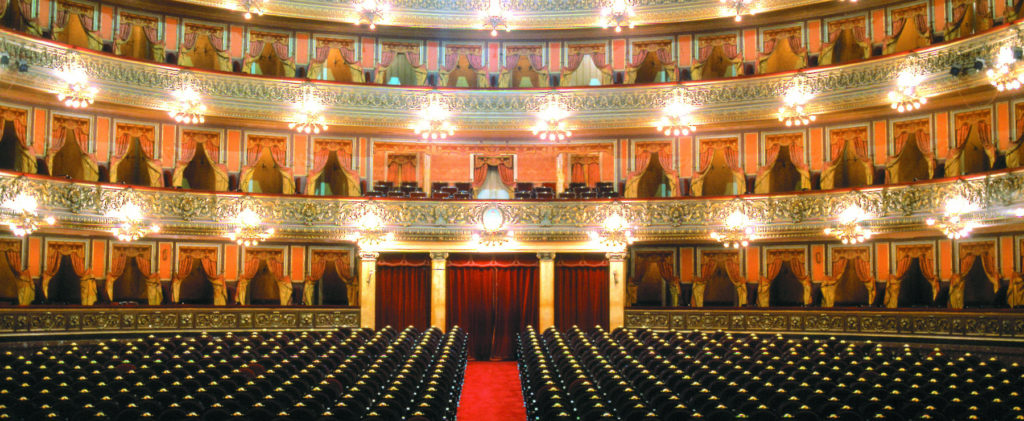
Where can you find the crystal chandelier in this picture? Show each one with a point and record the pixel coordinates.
(492, 221)
(954, 222)
(254, 7)
(551, 117)
(848, 228)
(738, 8)
(619, 14)
(310, 104)
(371, 12)
(793, 111)
(433, 118)
(495, 18)
(130, 224)
(249, 229)
(738, 231)
(23, 215)
(76, 92)
(188, 107)
(677, 116)
(905, 96)
(615, 235)
(1004, 74)
(372, 234)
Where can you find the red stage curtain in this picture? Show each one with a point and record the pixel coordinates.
(581, 291)
(493, 298)
(403, 291)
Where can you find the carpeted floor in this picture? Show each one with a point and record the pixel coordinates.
(491, 392)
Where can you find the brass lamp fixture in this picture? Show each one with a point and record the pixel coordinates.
(249, 230)
(188, 107)
(738, 231)
(955, 222)
(620, 13)
(129, 221)
(371, 234)
(310, 104)
(615, 234)
(493, 234)
(495, 18)
(848, 229)
(371, 13)
(22, 215)
(793, 111)
(433, 118)
(677, 116)
(551, 119)
(253, 7)
(75, 92)
(906, 96)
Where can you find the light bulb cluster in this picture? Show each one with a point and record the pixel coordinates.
(551, 124)
(738, 231)
(738, 8)
(616, 234)
(905, 96)
(253, 7)
(372, 234)
(371, 13)
(848, 229)
(23, 215)
(955, 222)
(677, 116)
(619, 14)
(433, 123)
(495, 18)
(249, 229)
(793, 111)
(130, 224)
(1004, 74)
(75, 92)
(188, 107)
(310, 104)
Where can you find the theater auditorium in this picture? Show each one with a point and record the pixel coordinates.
(511, 210)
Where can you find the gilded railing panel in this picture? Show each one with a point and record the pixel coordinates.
(841, 88)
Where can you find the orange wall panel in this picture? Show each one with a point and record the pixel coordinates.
(171, 33)
(106, 22)
(881, 153)
(685, 50)
(817, 148)
(618, 54)
(361, 160)
(878, 25)
(231, 262)
(44, 14)
(234, 150)
(494, 57)
(1000, 9)
(369, 52)
(555, 56)
(945, 259)
(1003, 126)
(99, 257)
(41, 131)
(939, 12)
(102, 151)
(818, 262)
(882, 265)
(236, 35)
(164, 262)
(1006, 255)
(686, 264)
(433, 52)
(624, 156)
(750, 152)
(168, 141)
(300, 144)
(753, 264)
(686, 156)
(750, 47)
(35, 256)
(298, 263)
(301, 48)
(941, 135)
(814, 36)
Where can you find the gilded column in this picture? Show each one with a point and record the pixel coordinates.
(546, 318)
(616, 289)
(368, 288)
(438, 281)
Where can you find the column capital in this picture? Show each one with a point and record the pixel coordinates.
(436, 255)
(368, 256)
(616, 256)
(546, 256)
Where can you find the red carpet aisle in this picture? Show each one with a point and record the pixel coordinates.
(491, 392)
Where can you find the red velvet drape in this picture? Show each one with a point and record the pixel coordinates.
(581, 291)
(403, 291)
(493, 298)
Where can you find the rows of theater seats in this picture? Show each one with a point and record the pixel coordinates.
(351, 375)
(646, 376)
(464, 191)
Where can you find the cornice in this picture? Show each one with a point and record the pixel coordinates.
(838, 88)
(81, 206)
(529, 14)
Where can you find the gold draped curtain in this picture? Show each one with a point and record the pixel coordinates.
(335, 59)
(855, 140)
(207, 257)
(773, 145)
(910, 30)
(710, 263)
(274, 259)
(74, 24)
(79, 129)
(907, 132)
(843, 35)
(970, 126)
(984, 252)
(661, 53)
(531, 58)
(55, 251)
(717, 56)
(729, 147)
(268, 55)
(797, 260)
(783, 51)
(121, 254)
(860, 258)
(969, 17)
(905, 255)
(318, 263)
(644, 152)
(139, 37)
(10, 249)
(22, 16)
(204, 47)
(123, 137)
(464, 60)
(322, 149)
(190, 139)
(277, 148)
(26, 161)
(389, 51)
